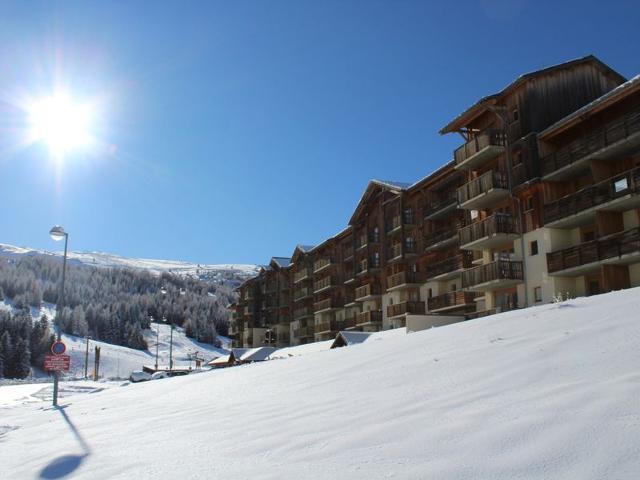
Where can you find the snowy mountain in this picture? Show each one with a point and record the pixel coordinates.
(546, 392)
(229, 273)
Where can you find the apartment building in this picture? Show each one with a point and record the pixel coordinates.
(540, 199)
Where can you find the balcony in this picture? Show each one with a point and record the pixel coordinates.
(302, 313)
(493, 276)
(370, 317)
(350, 323)
(451, 301)
(347, 253)
(368, 292)
(440, 204)
(327, 305)
(610, 142)
(327, 283)
(367, 266)
(617, 194)
(402, 280)
(495, 230)
(618, 249)
(441, 239)
(302, 275)
(394, 224)
(484, 146)
(349, 277)
(485, 191)
(329, 327)
(450, 267)
(405, 308)
(322, 264)
(302, 293)
(304, 332)
(364, 240)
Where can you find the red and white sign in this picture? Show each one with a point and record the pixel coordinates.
(57, 363)
(58, 348)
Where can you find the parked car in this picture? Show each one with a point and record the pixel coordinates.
(139, 376)
(159, 375)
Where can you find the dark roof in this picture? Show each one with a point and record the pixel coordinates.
(481, 104)
(612, 96)
(393, 186)
(282, 262)
(305, 248)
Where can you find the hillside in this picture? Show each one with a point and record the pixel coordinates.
(547, 392)
(230, 273)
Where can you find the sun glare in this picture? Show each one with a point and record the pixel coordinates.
(62, 124)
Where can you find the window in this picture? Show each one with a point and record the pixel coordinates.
(537, 294)
(533, 248)
(430, 293)
(529, 203)
(454, 287)
(474, 214)
(515, 115)
(621, 185)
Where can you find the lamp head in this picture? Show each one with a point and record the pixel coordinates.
(57, 233)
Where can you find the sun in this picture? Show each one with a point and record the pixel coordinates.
(61, 123)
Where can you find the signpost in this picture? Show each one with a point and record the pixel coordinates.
(58, 362)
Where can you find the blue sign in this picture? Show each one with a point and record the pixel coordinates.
(58, 348)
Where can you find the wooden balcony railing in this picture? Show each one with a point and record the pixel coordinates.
(394, 251)
(299, 313)
(325, 283)
(364, 239)
(368, 290)
(458, 298)
(370, 316)
(304, 332)
(483, 184)
(490, 226)
(321, 264)
(451, 264)
(596, 140)
(498, 270)
(366, 265)
(611, 246)
(436, 201)
(302, 293)
(331, 326)
(598, 194)
(393, 223)
(348, 252)
(403, 278)
(482, 140)
(349, 322)
(302, 275)
(416, 308)
(326, 304)
(433, 238)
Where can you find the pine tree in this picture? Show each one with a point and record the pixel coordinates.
(7, 351)
(22, 359)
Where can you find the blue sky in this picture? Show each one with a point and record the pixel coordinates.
(232, 131)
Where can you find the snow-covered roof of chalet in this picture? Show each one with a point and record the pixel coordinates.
(354, 338)
(298, 350)
(257, 354)
(474, 110)
(282, 262)
(223, 360)
(393, 186)
(595, 106)
(238, 352)
(305, 248)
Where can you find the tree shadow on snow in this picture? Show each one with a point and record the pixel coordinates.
(66, 464)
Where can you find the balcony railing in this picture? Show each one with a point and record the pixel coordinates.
(500, 270)
(485, 183)
(403, 278)
(393, 223)
(370, 316)
(498, 223)
(596, 140)
(395, 251)
(450, 300)
(304, 332)
(452, 264)
(349, 322)
(416, 308)
(325, 284)
(302, 293)
(365, 266)
(367, 290)
(331, 326)
(438, 201)
(302, 275)
(594, 195)
(364, 239)
(440, 236)
(326, 304)
(300, 313)
(605, 248)
(321, 264)
(483, 140)
(348, 252)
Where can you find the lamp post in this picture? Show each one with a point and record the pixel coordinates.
(57, 233)
(86, 357)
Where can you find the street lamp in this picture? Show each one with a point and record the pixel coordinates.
(57, 233)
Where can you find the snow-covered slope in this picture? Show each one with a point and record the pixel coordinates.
(546, 393)
(98, 259)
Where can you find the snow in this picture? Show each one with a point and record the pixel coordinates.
(547, 392)
(107, 260)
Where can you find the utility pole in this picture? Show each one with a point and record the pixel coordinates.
(171, 349)
(157, 341)
(86, 358)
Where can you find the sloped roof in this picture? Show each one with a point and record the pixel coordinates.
(282, 262)
(220, 360)
(595, 106)
(298, 350)
(258, 354)
(482, 104)
(351, 338)
(393, 186)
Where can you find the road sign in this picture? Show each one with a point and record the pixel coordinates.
(58, 348)
(57, 363)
